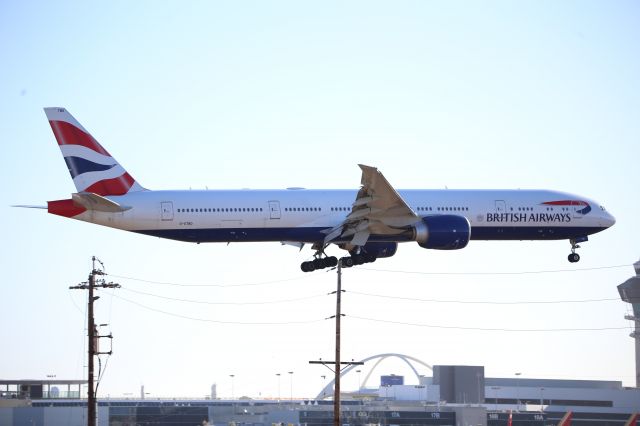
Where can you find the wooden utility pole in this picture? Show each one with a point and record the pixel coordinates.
(93, 349)
(337, 364)
(337, 368)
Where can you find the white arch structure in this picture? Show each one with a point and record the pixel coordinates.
(327, 391)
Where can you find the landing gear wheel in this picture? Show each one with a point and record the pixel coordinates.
(319, 263)
(347, 262)
(575, 257)
(331, 261)
(307, 267)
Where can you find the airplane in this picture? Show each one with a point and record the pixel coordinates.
(368, 222)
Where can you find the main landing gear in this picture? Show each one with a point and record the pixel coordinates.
(574, 257)
(319, 263)
(357, 259)
(330, 262)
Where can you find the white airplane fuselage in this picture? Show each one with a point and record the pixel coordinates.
(300, 215)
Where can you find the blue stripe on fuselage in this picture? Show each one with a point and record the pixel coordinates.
(310, 235)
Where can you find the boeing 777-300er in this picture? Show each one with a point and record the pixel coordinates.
(368, 222)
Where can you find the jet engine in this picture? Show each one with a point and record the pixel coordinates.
(443, 232)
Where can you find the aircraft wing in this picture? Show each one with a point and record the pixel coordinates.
(378, 209)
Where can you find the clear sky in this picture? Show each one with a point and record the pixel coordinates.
(531, 94)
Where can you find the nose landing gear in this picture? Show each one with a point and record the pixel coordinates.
(575, 257)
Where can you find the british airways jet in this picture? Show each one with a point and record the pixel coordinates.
(368, 222)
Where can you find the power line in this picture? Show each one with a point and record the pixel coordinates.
(212, 285)
(450, 327)
(548, 271)
(485, 302)
(371, 320)
(205, 302)
(215, 321)
(260, 283)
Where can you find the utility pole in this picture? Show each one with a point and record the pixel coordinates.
(337, 369)
(93, 348)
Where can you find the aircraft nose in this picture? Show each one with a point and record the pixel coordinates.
(609, 220)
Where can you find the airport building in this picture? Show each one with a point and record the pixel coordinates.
(454, 395)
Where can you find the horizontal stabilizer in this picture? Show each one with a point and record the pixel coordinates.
(91, 201)
(30, 207)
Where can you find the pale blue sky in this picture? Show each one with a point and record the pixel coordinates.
(279, 94)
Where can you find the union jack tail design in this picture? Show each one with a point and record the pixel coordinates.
(91, 167)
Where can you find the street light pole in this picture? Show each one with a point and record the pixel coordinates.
(232, 387)
(518, 391)
(278, 374)
(291, 386)
(323, 385)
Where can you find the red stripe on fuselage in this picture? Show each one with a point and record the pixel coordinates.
(566, 203)
(115, 186)
(68, 134)
(66, 208)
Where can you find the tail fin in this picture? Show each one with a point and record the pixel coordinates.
(633, 420)
(91, 167)
(566, 419)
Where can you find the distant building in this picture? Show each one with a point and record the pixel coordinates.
(455, 395)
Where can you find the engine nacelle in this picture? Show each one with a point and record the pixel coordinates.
(379, 249)
(443, 232)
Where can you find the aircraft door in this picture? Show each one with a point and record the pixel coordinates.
(166, 210)
(274, 209)
(501, 206)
